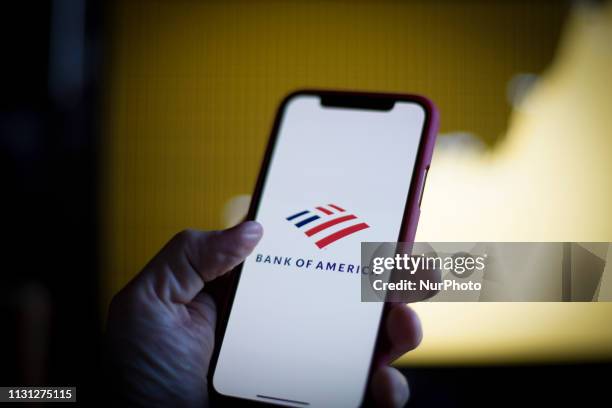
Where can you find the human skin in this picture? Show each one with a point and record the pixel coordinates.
(161, 326)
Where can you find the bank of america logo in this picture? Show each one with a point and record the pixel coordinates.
(320, 222)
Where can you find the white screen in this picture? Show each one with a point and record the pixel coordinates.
(301, 333)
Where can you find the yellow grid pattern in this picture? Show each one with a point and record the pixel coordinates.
(193, 87)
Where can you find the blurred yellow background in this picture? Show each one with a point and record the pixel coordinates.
(193, 87)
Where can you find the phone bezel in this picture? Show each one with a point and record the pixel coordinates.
(409, 219)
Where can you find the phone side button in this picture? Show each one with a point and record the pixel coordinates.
(423, 185)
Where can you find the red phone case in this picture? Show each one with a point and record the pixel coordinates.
(409, 220)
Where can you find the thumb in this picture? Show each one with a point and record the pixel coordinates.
(192, 258)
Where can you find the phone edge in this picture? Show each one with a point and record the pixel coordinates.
(408, 226)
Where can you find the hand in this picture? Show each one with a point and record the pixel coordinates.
(161, 326)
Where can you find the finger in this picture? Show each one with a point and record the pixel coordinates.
(223, 250)
(178, 272)
(404, 331)
(389, 388)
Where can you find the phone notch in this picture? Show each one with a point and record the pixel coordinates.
(378, 103)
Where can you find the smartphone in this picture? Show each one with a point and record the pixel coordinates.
(340, 168)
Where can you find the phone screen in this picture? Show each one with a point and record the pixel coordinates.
(298, 333)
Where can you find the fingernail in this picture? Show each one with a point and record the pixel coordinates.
(401, 392)
(252, 231)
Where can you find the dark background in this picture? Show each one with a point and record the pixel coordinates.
(54, 56)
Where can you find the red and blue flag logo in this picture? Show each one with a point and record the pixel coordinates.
(318, 223)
